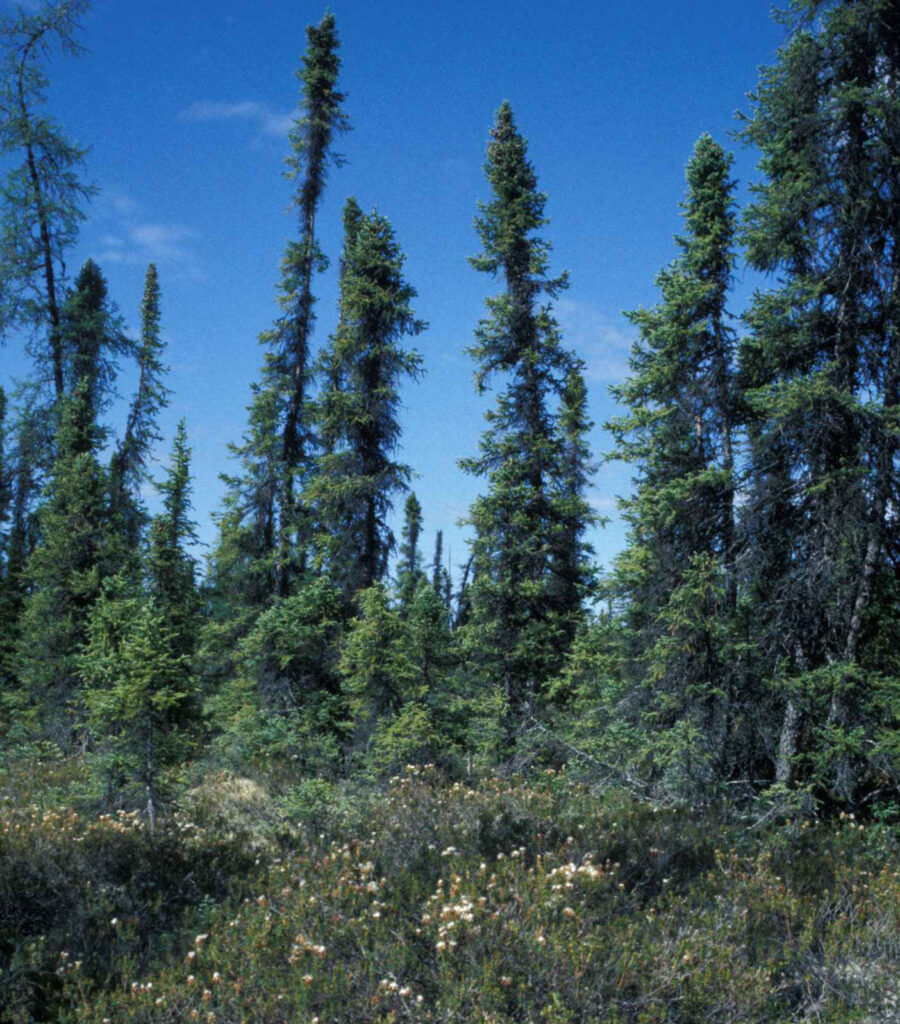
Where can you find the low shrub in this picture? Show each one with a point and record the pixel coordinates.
(513, 901)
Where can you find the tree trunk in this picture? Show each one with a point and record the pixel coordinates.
(46, 249)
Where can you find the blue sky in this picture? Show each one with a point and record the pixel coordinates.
(186, 106)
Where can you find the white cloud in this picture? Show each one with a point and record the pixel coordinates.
(134, 242)
(602, 343)
(267, 121)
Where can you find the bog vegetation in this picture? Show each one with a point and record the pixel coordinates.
(331, 778)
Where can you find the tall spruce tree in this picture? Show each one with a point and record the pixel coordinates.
(171, 569)
(25, 448)
(77, 548)
(311, 141)
(128, 467)
(821, 372)
(677, 574)
(265, 529)
(357, 476)
(516, 634)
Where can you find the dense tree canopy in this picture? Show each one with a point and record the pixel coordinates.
(744, 641)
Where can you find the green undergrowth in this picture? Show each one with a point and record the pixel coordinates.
(507, 901)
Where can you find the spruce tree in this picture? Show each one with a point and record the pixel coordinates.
(440, 574)
(138, 692)
(77, 547)
(677, 574)
(515, 634)
(572, 568)
(170, 568)
(128, 467)
(240, 577)
(311, 140)
(266, 529)
(821, 373)
(22, 485)
(357, 475)
(409, 565)
(376, 672)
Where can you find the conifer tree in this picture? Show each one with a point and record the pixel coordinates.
(25, 445)
(266, 529)
(357, 476)
(283, 699)
(515, 633)
(409, 567)
(170, 568)
(437, 561)
(376, 670)
(677, 573)
(6, 486)
(138, 691)
(129, 461)
(43, 196)
(571, 566)
(77, 548)
(311, 140)
(440, 574)
(240, 577)
(821, 373)
(250, 505)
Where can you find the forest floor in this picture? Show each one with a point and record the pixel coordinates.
(510, 901)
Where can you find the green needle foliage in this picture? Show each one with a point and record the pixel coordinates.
(43, 197)
(821, 372)
(265, 529)
(139, 694)
(128, 467)
(676, 578)
(526, 551)
(170, 568)
(311, 140)
(409, 564)
(746, 646)
(358, 476)
(78, 547)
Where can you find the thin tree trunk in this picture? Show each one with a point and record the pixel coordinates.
(149, 776)
(46, 242)
(790, 729)
(787, 744)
